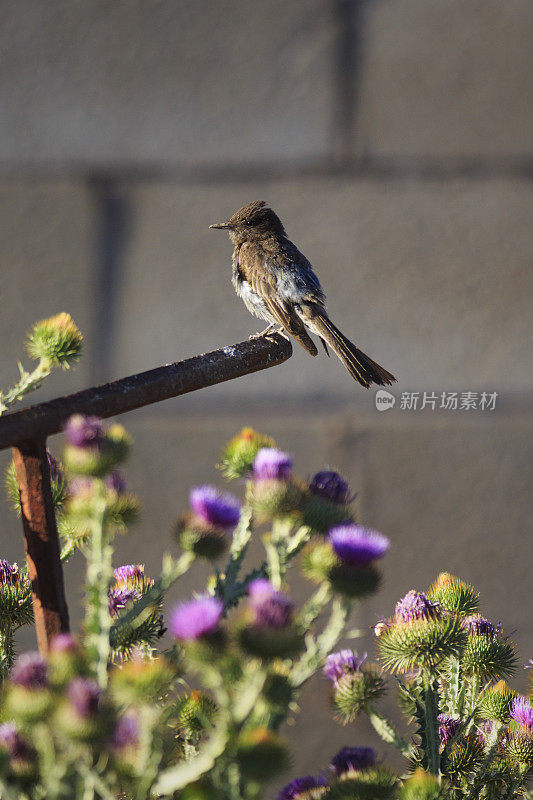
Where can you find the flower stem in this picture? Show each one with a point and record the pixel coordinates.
(99, 574)
(431, 725)
(28, 382)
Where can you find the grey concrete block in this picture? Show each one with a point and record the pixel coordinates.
(446, 79)
(47, 257)
(161, 82)
(431, 279)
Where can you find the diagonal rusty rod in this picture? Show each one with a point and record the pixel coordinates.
(26, 431)
(172, 380)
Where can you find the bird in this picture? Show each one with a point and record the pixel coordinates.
(277, 283)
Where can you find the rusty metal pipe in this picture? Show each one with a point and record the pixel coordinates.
(40, 421)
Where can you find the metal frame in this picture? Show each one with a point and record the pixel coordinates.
(26, 432)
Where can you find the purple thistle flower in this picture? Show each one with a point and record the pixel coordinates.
(129, 573)
(483, 731)
(126, 733)
(84, 695)
(63, 643)
(196, 618)
(357, 545)
(9, 573)
(84, 431)
(448, 727)
(331, 486)
(116, 481)
(119, 598)
(353, 759)
(529, 664)
(301, 788)
(81, 486)
(415, 606)
(53, 466)
(522, 712)
(272, 464)
(30, 671)
(271, 608)
(478, 625)
(11, 741)
(220, 509)
(338, 664)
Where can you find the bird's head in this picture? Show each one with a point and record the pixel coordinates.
(254, 221)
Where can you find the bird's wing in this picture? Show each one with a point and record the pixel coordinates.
(263, 281)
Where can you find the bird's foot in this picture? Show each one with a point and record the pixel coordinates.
(268, 329)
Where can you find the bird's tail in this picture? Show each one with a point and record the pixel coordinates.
(358, 364)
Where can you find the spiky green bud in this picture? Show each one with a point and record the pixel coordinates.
(195, 713)
(376, 783)
(278, 690)
(269, 642)
(489, 657)
(496, 702)
(423, 786)
(421, 643)
(56, 341)
(354, 581)
(355, 691)
(109, 450)
(321, 514)
(464, 755)
(139, 682)
(15, 597)
(273, 499)
(262, 754)
(454, 595)
(27, 706)
(519, 745)
(239, 454)
(317, 561)
(197, 537)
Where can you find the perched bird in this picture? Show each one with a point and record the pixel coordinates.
(277, 283)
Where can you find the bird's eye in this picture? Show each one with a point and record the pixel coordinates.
(250, 222)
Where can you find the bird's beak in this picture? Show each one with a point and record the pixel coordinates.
(220, 225)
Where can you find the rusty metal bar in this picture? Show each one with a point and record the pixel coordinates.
(40, 421)
(41, 541)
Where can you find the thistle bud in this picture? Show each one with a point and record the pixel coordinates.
(28, 698)
(239, 454)
(358, 776)
(83, 715)
(273, 499)
(140, 682)
(272, 465)
(269, 630)
(327, 502)
(356, 545)
(91, 449)
(496, 702)
(420, 636)
(422, 786)
(214, 513)
(519, 744)
(15, 596)
(195, 713)
(454, 595)
(66, 660)
(306, 788)
(487, 654)
(464, 756)
(261, 754)
(356, 691)
(278, 690)
(56, 341)
(20, 754)
(448, 727)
